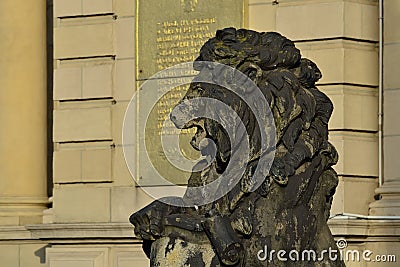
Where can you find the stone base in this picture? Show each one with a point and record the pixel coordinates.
(21, 210)
(389, 204)
(78, 245)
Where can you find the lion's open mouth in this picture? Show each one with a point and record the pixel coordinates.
(197, 123)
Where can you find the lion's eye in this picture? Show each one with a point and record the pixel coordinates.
(199, 88)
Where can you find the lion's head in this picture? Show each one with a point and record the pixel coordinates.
(287, 83)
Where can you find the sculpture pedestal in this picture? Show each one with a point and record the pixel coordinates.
(174, 251)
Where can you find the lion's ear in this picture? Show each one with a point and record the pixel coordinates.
(253, 72)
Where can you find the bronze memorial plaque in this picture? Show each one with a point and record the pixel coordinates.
(170, 32)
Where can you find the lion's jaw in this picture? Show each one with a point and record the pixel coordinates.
(181, 119)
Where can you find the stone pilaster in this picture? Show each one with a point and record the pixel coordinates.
(23, 101)
(389, 192)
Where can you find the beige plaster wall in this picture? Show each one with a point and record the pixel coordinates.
(93, 81)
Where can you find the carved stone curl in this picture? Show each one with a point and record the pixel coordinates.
(289, 211)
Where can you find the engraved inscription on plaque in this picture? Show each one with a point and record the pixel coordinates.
(180, 41)
(170, 32)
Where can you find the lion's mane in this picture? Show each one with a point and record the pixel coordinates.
(301, 111)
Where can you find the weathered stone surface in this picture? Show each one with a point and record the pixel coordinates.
(288, 210)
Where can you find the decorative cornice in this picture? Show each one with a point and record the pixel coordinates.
(15, 233)
(123, 232)
(82, 231)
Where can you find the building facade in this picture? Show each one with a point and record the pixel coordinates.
(65, 191)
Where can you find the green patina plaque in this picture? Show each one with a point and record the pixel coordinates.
(170, 32)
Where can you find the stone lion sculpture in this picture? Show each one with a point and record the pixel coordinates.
(288, 210)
